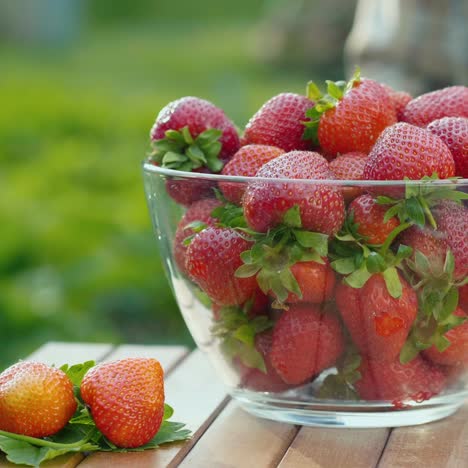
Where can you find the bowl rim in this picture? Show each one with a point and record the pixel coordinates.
(173, 173)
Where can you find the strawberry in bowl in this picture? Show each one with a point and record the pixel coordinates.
(323, 269)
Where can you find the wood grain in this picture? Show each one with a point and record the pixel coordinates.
(238, 439)
(195, 392)
(338, 448)
(441, 444)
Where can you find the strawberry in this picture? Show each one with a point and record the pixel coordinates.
(191, 134)
(200, 211)
(279, 122)
(399, 99)
(212, 258)
(35, 400)
(349, 166)
(304, 343)
(456, 353)
(258, 304)
(396, 382)
(246, 162)
(350, 117)
(404, 150)
(126, 399)
(368, 215)
(316, 282)
(453, 131)
(452, 221)
(321, 206)
(377, 322)
(463, 297)
(447, 102)
(255, 379)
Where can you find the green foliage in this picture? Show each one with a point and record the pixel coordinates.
(78, 260)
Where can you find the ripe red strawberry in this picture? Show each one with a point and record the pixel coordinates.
(126, 399)
(399, 99)
(463, 297)
(378, 323)
(321, 206)
(316, 282)
(447, 102)
(199, 211)
(246, 162)
(198, 115)
(352, 119)
(457, 353)
(35, 400)
(255, 379)
(304, 343)
(369, 218)
(192, 134)
(212, 258)
(279, 122)
(417, 381)
(431, 243)
(349, 166)
(404, 150)
(452, 221)
(453, 131)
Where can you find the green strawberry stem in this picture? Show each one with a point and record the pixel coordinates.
(427, 211)
(47, 443)
(392, 236)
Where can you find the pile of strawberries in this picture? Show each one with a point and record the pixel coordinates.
(304, 273)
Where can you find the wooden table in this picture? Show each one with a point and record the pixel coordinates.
(226, 436)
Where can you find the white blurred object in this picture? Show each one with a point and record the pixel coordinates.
(410, 44)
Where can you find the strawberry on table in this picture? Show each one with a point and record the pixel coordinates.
(446, 102)
(200, 211)
(212, 259)
(192, 134)
(321, 206)
(279, 122)
(36, 400)
(246, 162)
(350, 117)
(126, 399)
(404, 150)
(453, 131)
(369, 216)
(377, 322)
(305, 342)
(398, 383)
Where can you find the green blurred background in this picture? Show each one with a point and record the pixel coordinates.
(77, 257)
(81, 83)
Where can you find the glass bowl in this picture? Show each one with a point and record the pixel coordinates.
(375, 335)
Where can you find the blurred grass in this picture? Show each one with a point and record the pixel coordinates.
(77, 257)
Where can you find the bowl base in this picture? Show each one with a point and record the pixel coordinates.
(352, 415)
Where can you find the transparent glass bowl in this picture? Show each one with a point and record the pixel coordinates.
(317, 400)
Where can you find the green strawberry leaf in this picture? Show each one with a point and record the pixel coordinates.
(393, 283)
(292, 217)
(344, 266)
(168, 412)
(76, 372)
(358, 278)
(312, 240)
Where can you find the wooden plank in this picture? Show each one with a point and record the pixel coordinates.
(439, 444)
(323, 447)
(59, 353)
(168, 356)
(195, 393)
(238, 439)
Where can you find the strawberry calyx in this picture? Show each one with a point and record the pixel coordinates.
(180, 151)
(237, 332)
(415, 207)
(336, 90)
(437, 298)
(357, 260)
(274, 253)
(228, 214)
(340, 385)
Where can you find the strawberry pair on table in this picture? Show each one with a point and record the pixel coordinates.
(366, 278)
